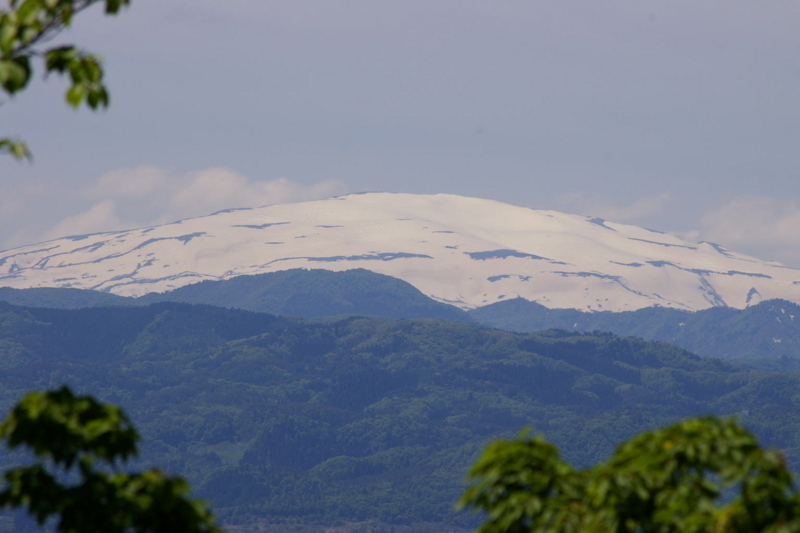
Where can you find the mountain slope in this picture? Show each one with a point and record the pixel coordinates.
(767, 331)
(465, 251)
(61, 298)
(282, 420)
(296, 292)
(314, 293)
(766, 334)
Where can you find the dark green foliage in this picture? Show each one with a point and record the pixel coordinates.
(766, 335)
(56, 425)
(75, 441)
(25, 27)
(669, 481)
(359, 419)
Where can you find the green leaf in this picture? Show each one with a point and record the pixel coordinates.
(17, 149)
(58, 59)
(94, 72)
(14, 74)
(113, 6)
(29, 10)
(75, 95)
(8, 32)
(97, 97)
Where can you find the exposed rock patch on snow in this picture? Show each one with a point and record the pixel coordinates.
(465, 251)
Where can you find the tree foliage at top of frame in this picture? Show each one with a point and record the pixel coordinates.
(25, 27)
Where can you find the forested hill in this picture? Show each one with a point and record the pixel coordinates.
(297, 292)
(315, 293)
(766, 334)
(321, 423)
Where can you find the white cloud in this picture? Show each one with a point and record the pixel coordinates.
(149, 195)
(99, 217)
(761, 226)
(135, 182)
(592, 205)
(216, 188)
(766, 227)
(164, 196)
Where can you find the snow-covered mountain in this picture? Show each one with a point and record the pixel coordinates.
(465, 251)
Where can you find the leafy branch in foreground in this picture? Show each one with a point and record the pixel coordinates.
(670, 480)
(24, 27)
(77, 438)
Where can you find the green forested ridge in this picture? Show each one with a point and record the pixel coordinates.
(61, 298)
(766, 335)
(315, 293)
(296, 292)
(360, 419)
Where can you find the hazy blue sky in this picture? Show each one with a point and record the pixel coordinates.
(679, 116)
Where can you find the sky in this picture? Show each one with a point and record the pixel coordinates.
(678, 116)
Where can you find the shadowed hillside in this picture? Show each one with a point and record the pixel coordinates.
(323, 423)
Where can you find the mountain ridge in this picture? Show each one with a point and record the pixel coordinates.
(468, 252)
(323, 422)
(765, 335)
(297, 292)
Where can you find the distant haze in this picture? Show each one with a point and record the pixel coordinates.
(677, 116)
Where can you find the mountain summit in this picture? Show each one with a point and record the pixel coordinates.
(465, 251)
